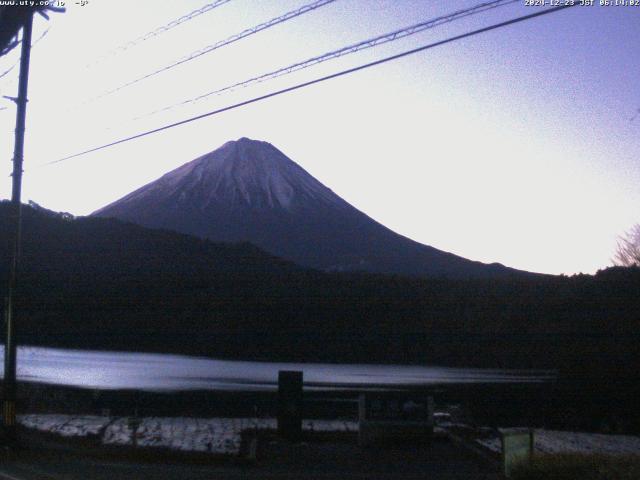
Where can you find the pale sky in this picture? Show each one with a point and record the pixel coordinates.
(514, 146)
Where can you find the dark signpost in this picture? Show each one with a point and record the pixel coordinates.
(517, 448)
(290, 404)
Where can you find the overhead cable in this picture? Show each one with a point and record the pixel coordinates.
(15, 64)
(215, 46)
(372, 42)
(317, 80)
(162, 29)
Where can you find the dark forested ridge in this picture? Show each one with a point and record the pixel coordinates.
(102, 283)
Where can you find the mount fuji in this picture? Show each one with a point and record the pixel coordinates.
(249, 191)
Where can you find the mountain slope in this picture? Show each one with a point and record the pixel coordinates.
(250, 191)
(105, 284)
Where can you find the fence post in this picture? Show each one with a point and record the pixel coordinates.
(290, 404)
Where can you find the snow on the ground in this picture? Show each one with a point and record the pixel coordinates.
(329, 426)
(215, 435)
(554, 441)
(66, 425)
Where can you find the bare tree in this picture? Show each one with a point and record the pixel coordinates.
(628, 250)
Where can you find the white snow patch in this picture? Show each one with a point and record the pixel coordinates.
(214, 435)
(65, 425)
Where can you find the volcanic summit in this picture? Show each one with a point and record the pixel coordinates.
(249, 191)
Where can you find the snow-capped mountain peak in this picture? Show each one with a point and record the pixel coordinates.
(246, 171)
(248, 190)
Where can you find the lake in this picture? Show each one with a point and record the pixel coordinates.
(162, 372)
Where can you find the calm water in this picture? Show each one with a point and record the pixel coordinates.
(118, 370)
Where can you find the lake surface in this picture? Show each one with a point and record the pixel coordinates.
(160, 372)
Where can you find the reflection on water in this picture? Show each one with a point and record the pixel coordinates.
(143, 371)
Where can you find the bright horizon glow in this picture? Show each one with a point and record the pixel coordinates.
(514, 146)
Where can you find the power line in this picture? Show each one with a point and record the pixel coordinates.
(318, 80)
(15, 64)
(372, 42)
(10, 69)
(234, 38)
(162, 29)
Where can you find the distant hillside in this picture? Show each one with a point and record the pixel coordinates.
(248, 190)
(96, 283)
(102, 283)
(78, 249)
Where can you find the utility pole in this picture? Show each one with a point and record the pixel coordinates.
(9, 400)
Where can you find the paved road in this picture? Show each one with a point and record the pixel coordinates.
(277, 461)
